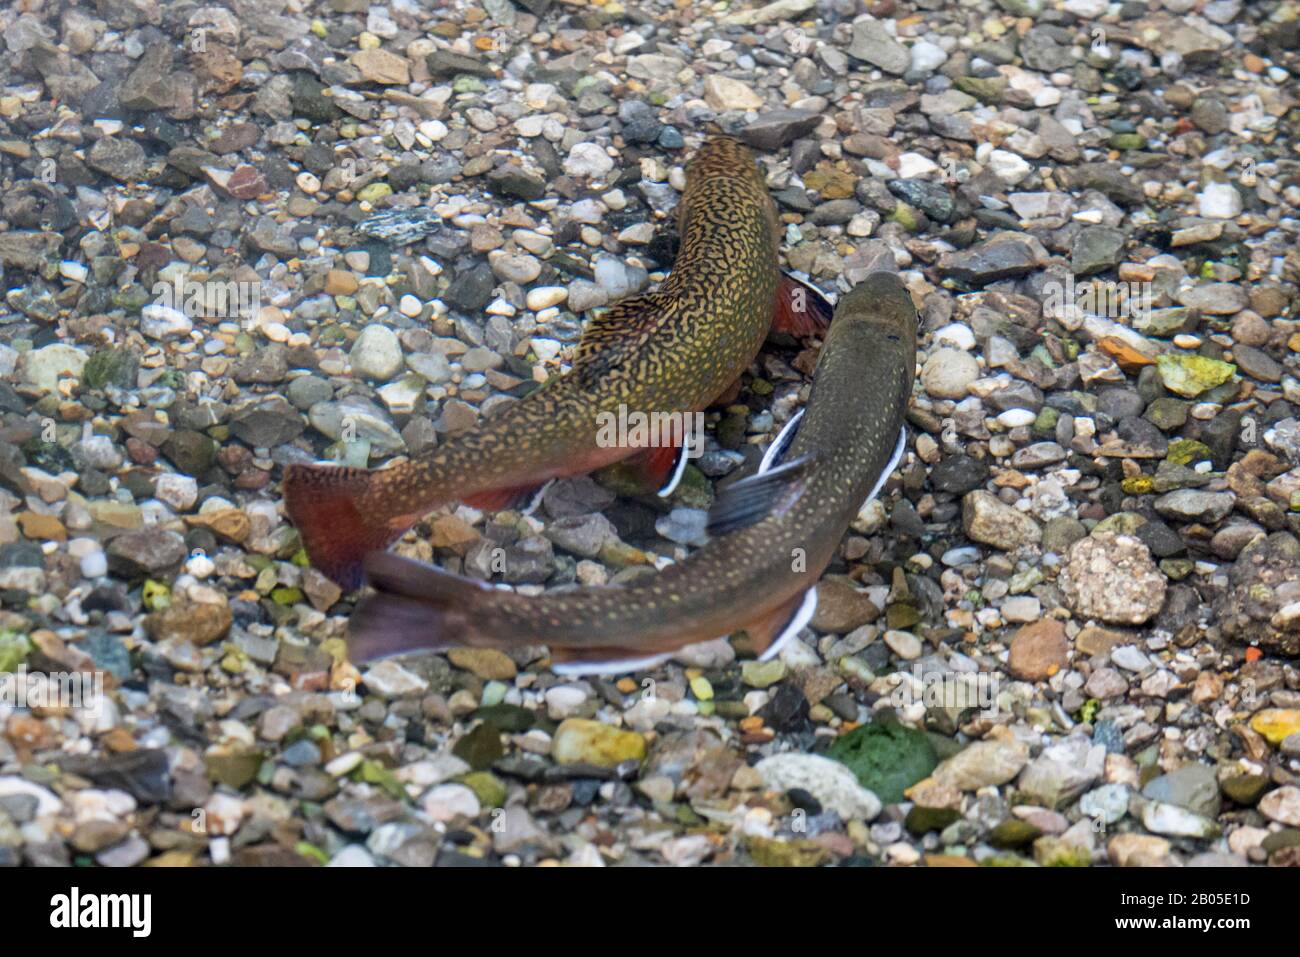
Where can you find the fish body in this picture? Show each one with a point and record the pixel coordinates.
(772, 535)
(670, 351)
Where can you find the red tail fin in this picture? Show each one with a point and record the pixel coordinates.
(325, 504)
(415, 607)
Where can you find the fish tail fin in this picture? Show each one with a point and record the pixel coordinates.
(415, 607)
(338, 518)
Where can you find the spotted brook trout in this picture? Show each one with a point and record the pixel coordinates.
(671, 351)
(771, 535)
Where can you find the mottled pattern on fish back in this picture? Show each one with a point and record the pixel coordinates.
(686, 338)
(671, 350)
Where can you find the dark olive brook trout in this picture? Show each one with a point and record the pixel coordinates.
(771, 535)
(674, 351)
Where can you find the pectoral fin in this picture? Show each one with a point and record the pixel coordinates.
(661, 467)
(766, 636)
(753, 499)
(801, 310)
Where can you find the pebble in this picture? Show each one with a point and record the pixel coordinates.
(390, 680)
(982, 764)
(544, 297)
(1219, 201)
(948, 373)
(1038, 650)
(164, 322)
(1282, 805)
(580, 741)
(1113, 579)
(588, 160)
(377, 353)
(446, 802)
(989, 521)
(832, 784)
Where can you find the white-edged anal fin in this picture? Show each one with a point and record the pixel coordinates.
(578, 662)
(769, 633)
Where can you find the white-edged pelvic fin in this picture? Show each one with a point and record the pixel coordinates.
(536, 502)
(801, 617)
(897, 457)
(772, 457)
(577, 669)
(678, 470)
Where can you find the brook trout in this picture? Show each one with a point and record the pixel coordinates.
(771, 535)
(672, 351)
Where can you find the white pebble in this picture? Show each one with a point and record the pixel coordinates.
(178, 491)
(435, 130)
(914, 164)
(1016, 417)
(544, 297)
(164, 322)
(956, 334)
(1219, 201)
(449, 801)
(1008, 167)
(588, 159)
(94, 565)
(75, 271)
(904, 644)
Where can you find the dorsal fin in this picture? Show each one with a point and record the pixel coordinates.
(609, 338)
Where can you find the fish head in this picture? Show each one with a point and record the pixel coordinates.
(880, 301)
(725, 156)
